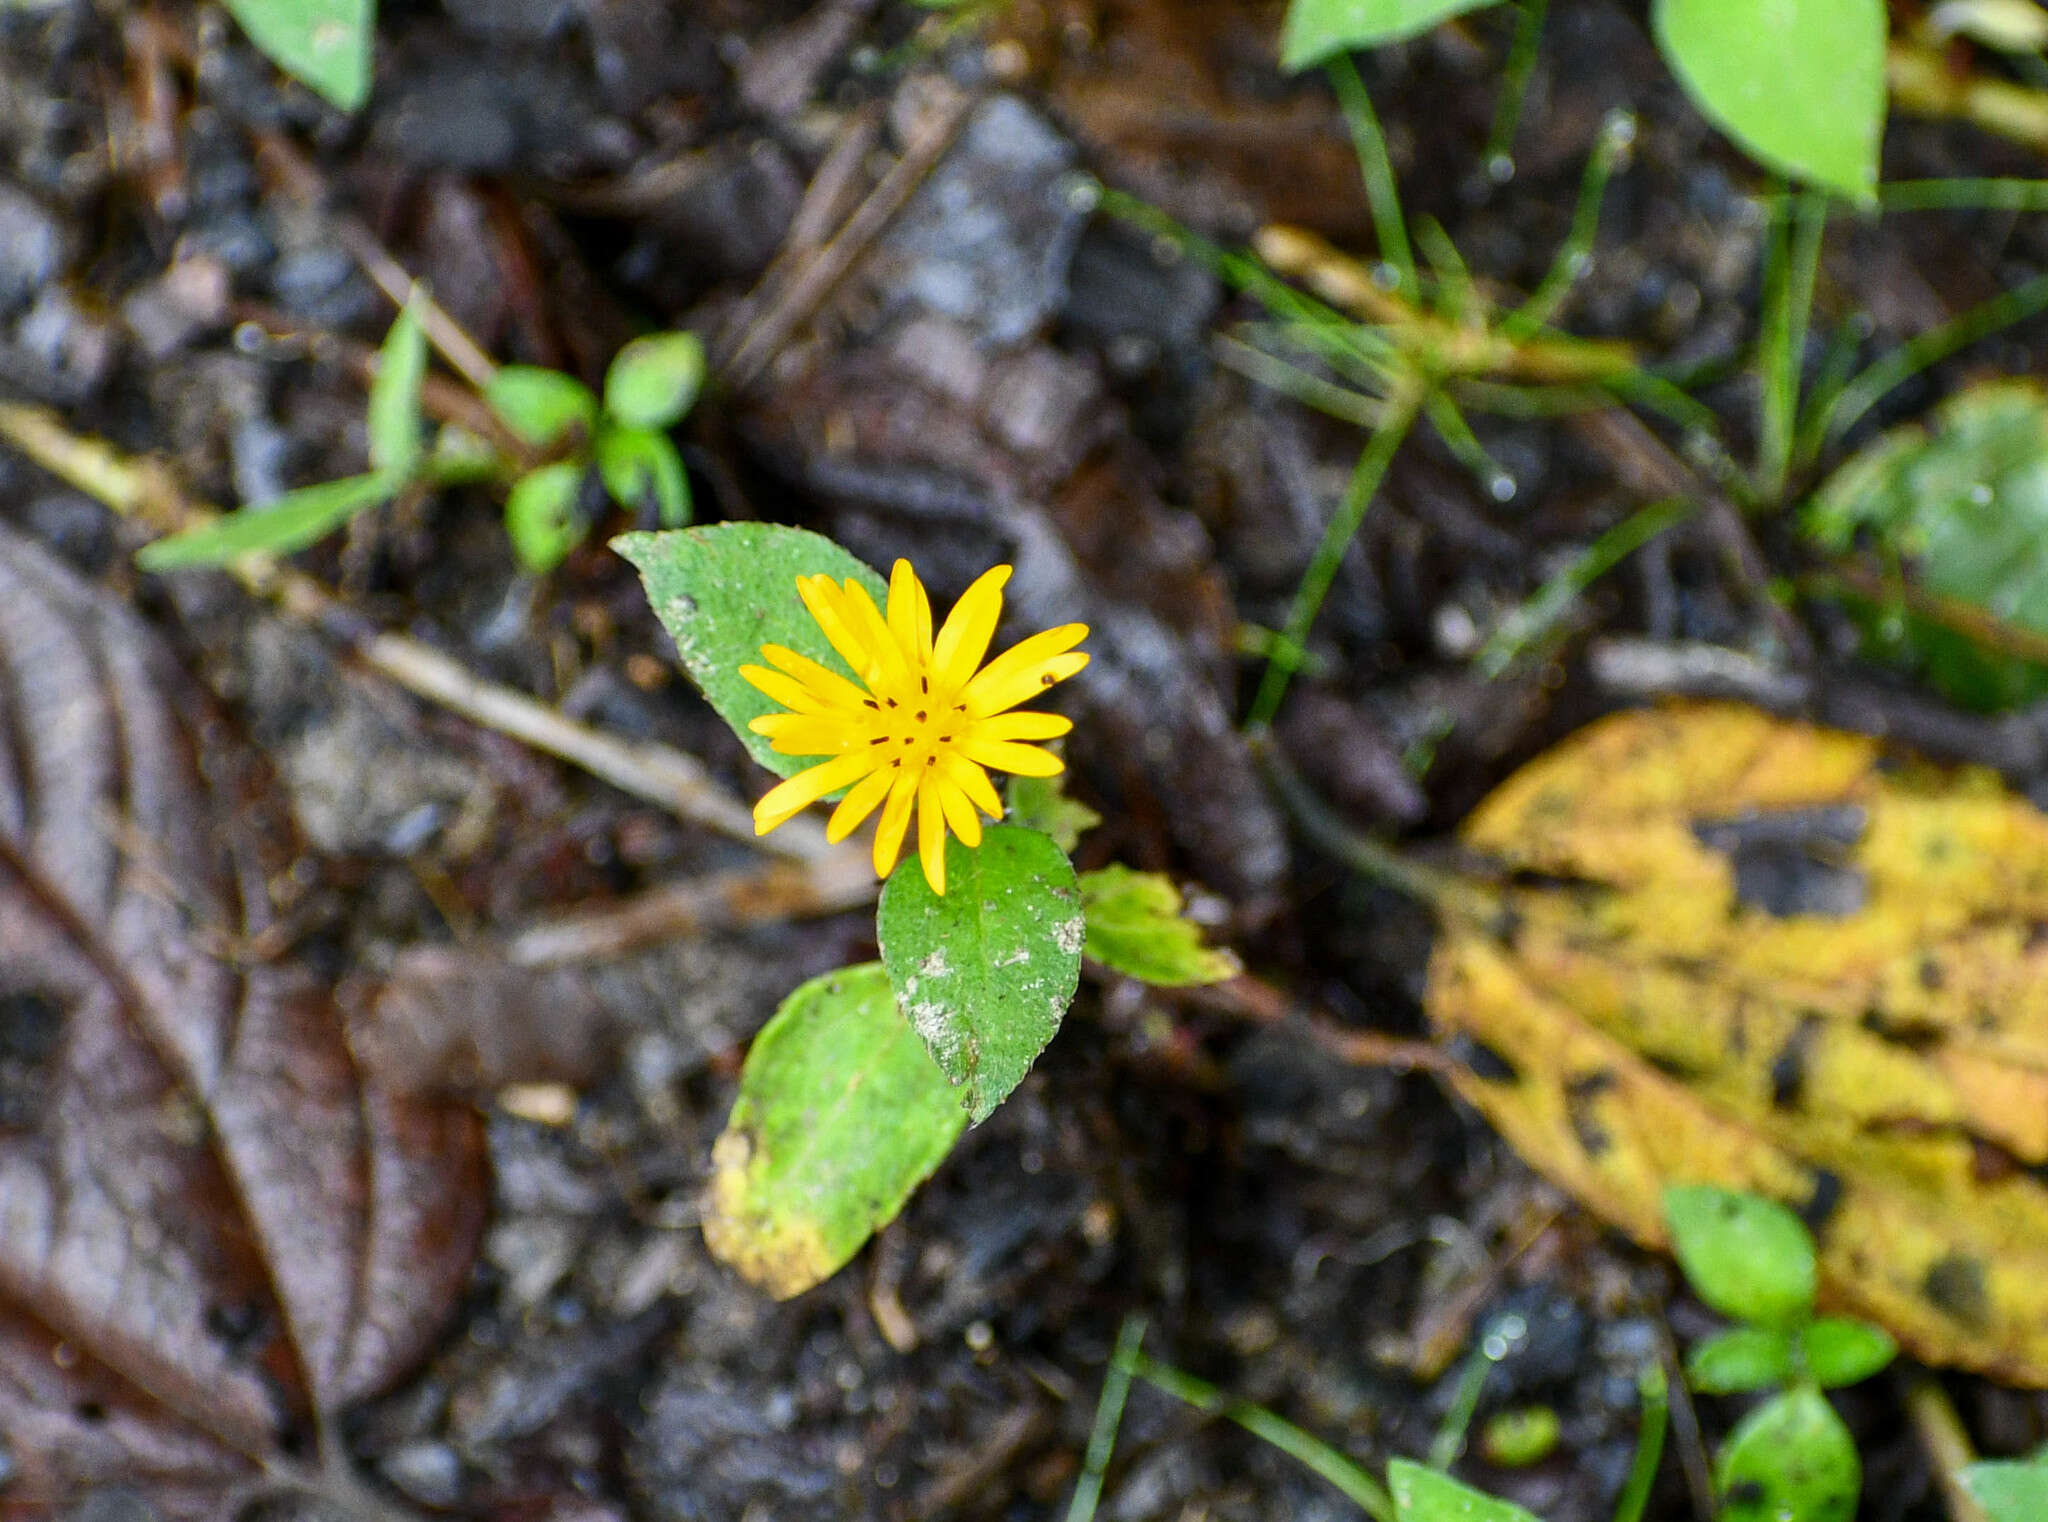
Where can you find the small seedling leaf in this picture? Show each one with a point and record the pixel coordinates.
(540, 515)
(541, 405)
(985, 972)
(1040, 803)
(1961, 504)
(1319, 29)
(1739, 1360)
(840, 1116)
(1841, 1350)
(638, 464)
(653, 381)
(279, 527)
(323, 44)
(723, 592)
(1135, 926)
(1791, 1457)
(1746, 1256)
(394, 412)
(1799, 84)
(2009, 1492)
(1424, 1495)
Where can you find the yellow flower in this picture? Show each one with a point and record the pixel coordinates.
(921, 722)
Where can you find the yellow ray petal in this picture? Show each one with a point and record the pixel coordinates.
(1024, 670)
(910, 612)
(931, 834)
(968, 629)
(895, 818)
(859, 802)
(972, 781)
(786, 690)
(827, 685)
(786, 800)
(1024, 724)
(1006, 756)
(960, 815)
(822, 596)
(892, 661)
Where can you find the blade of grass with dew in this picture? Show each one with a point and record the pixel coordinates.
(1465, 447)
(1109, 1416)
(1537, 616)
(1575, 254)
(1930, 348)
(1382, 191)
(1310, 1452)
(1449, 1441)
(1514, 90)
(1322, 570)
(1276, 374)
(1458, 298)
(1642, 1474)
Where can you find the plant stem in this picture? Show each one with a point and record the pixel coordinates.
(1576, 252)
(1315, 583)
(1109, 1415)
(1381, 190)
(1931, 347)
(1941, 1433)
(1514, 89)
(1964, 195)
(1655, 1390)
(1312, 1453)
(1789, 276)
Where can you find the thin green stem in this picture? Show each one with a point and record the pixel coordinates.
(1449, 1441)
(1276, 374)
(1910, 358)
(1381, 190)
(1465, 447)
(1537, 616)
(1457, 297)
(1575, 254)
(1109, 1416)
(1642, 1474)
(1315, 582)
(1312, 1453)
(1788, 305)
(1836, 366)
(1514, 90)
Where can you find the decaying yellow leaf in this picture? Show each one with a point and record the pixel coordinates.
(1767, 956)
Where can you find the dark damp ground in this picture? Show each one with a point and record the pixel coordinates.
(1002, 375)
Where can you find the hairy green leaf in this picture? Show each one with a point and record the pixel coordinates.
(1739, 1360)
(985, 972)
(1135, 926)
(1799, 84)
(1841, 1350)
(1040, 803)
(278, 527)
(840, 1116)
(323, 44)
(723, 592)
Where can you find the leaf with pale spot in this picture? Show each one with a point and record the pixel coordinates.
(985, 972)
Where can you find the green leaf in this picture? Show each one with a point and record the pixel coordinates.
(985, 973)
(1789, 1458)
(1040, 803)
(1739, 1360)
(323, 44)
(840, 1116)
(1135, 927)
(278, 527)
(1962, 504)
(1841, 1350)
(723, 592)
(2009, 1492)
(394, 415)
(1423, 1495)
(654, 380)
(540, 515)
(1799, 84)
(1320, 29)
(540, 405)
(1748, 1257)
(638, 462)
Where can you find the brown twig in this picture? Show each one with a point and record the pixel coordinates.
(1941, 1433)
(145, 491)
(1924, 83)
